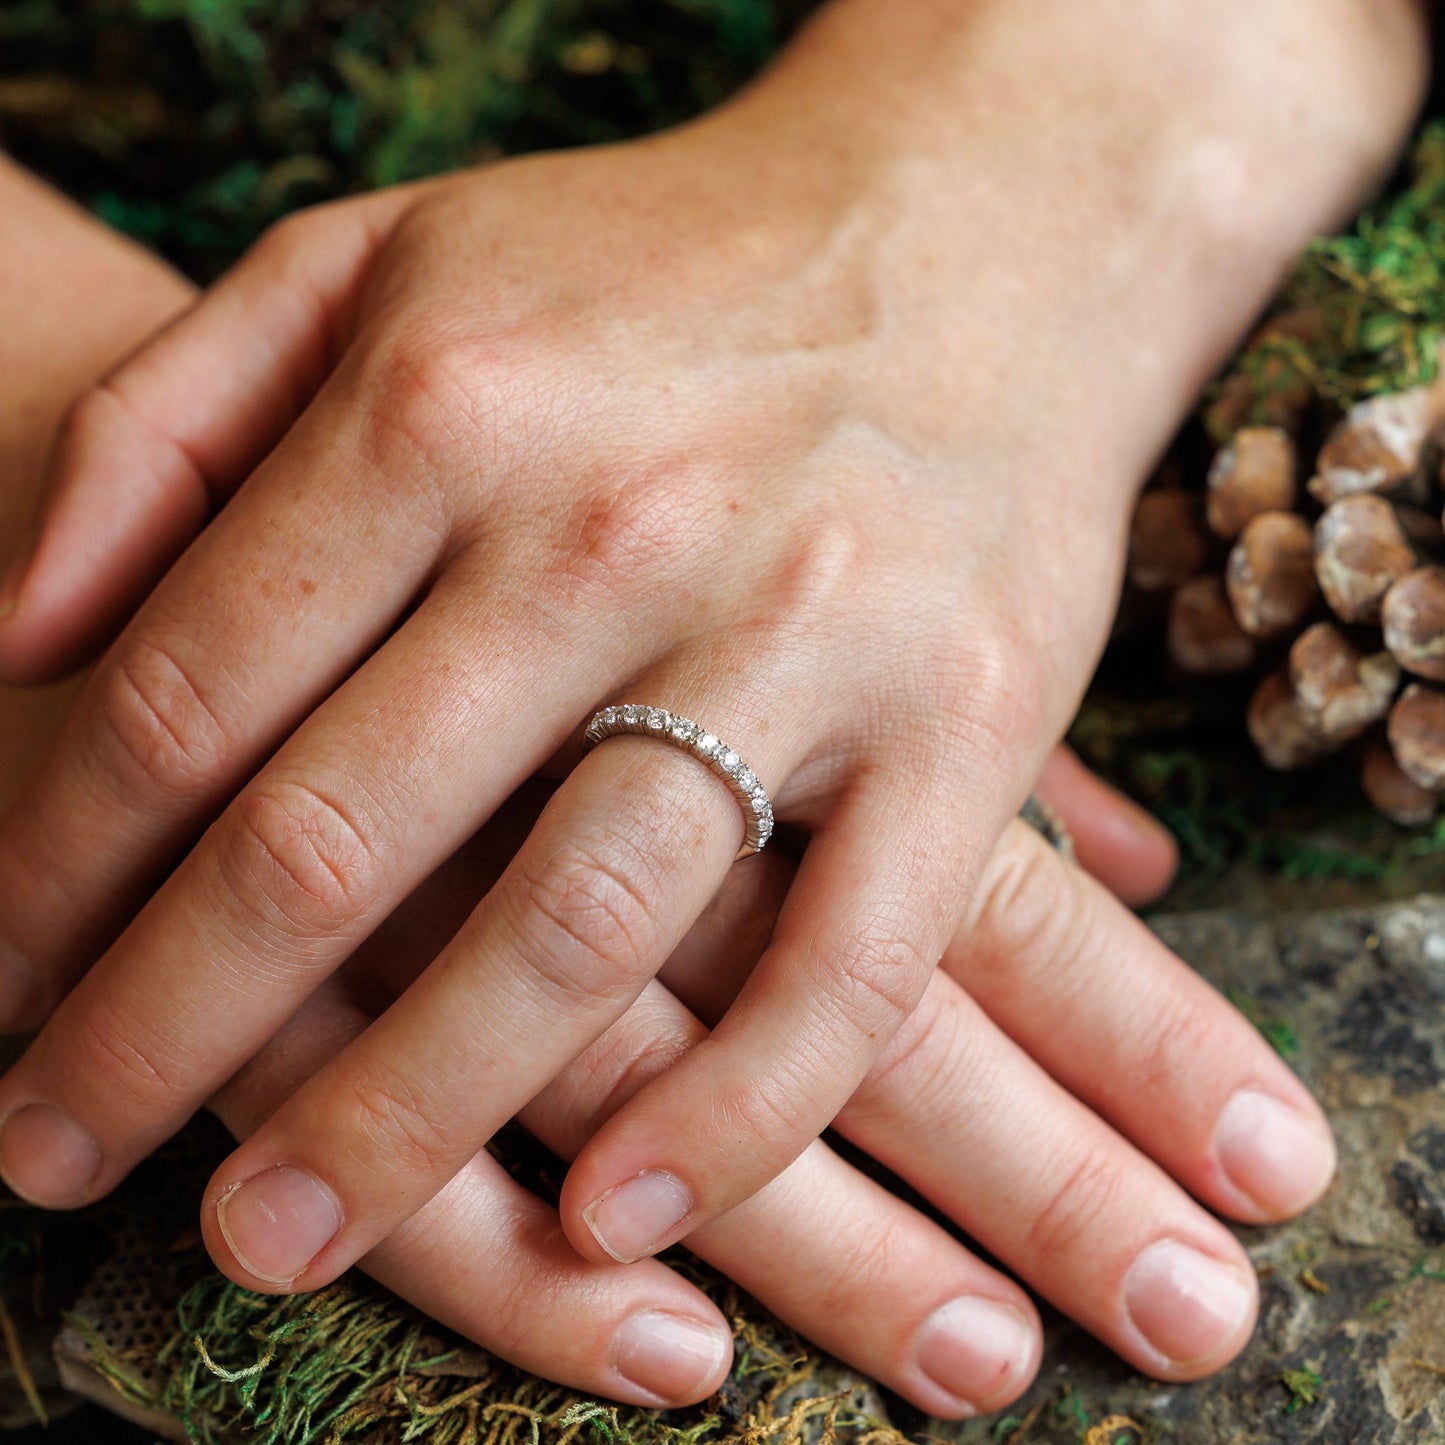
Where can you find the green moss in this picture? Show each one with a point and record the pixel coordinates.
(1377, 294)
(1304, 1387)
(1279, 1032)
(193, 124)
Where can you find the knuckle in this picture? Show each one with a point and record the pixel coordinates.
(420, 401)
(592, 919)
(880, 974)
(111, 417)
(1030, 903)
(637, 529)
(1082, 1205)
(297, 862)
(283, 243)
(921, 1063)
(115, 1054)
(870, 1263)
(397, 1128)
(458, 407)
(1179, 1033)
(767, 1122)
(989, 698)
(817, 575)
(166, 735)
(90, 415)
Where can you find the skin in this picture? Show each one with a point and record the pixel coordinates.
(483, 1255)
(738, 455)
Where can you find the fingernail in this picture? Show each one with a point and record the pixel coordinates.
(278, 1221)
(671, 1357)
(1187, 1305)
(47, 1158)
(1281, 1157)
(980, 1351)
(637, 1218)
(14, 578)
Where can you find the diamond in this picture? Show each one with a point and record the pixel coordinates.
(707, 744)
(633, 714)
(760, 804)
(746, 781)
(682, 728)
(609, 716)
(656, 719)
(729, 759)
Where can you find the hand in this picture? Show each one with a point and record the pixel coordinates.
(738, 462)
(76, 298)
(487, 1257)
(1041, 1181)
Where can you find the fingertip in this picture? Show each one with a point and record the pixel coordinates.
(1191, 1309)
(1125, 847)
(666, 1359)
(274, 1226)
(1279, 1157)
(976, 1355)
(632, 1220)
(48, 1158)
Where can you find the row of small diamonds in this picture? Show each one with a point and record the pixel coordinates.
(633, 717)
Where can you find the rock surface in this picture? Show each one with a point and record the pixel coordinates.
(1354, 1293)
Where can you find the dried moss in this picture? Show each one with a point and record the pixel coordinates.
(352, 1362)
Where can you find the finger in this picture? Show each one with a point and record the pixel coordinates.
(831, 1252)
(488, 1259)
(201, 688)
(146, 454)
(1125, 1025)
(1125, 848)
(75, 296)
(1052, 1192)
(1109, 1013)
(621, 861)
(1130, 1029)
(362, 803)
(865, 921)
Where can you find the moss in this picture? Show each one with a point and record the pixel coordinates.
(193, 124)
(1304, 1387)
(1377, 294)
(352, 1362)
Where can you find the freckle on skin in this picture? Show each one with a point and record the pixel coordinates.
(307, 586)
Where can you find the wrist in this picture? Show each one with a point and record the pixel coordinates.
(1133, 178)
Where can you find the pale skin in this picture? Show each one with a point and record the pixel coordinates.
(767, 450)
(826, 1249)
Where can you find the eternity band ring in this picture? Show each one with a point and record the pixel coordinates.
(706, 747)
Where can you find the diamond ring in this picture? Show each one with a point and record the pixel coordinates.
(706, 747)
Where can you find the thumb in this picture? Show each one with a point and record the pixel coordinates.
(145, 456)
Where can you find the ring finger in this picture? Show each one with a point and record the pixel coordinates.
(623, 858)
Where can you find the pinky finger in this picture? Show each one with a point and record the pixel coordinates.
(489, 1260)
(1132, 854)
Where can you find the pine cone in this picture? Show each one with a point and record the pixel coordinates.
(1334, 590)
